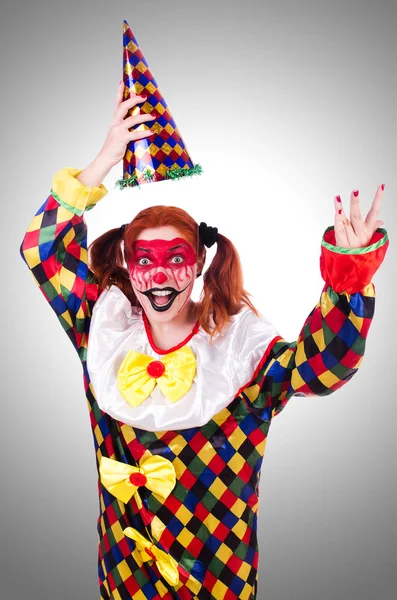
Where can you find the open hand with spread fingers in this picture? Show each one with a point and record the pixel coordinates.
(357, 233)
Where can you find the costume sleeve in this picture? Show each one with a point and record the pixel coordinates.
(55, 250)
(331, 343)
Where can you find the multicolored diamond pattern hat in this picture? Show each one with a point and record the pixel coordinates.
(163, 156)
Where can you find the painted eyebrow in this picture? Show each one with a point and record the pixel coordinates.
(169, 250)
(178, 246)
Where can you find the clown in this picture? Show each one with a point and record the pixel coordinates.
(167, 261)
(181, 394)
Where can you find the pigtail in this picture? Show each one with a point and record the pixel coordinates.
(223, 293)
(106, 261)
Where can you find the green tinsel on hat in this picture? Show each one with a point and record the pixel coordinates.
(149, 176)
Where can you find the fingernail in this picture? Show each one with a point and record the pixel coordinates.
(338, 199)
(339, 211)
(383, 186)
(355, 193)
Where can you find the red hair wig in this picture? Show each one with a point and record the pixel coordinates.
(223, 293)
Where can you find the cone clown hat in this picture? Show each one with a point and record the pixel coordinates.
(164, 155)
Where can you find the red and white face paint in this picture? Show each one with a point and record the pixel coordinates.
(162, 270)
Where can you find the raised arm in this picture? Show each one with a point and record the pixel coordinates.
(330, 346)
(55, 250)
(55, 244)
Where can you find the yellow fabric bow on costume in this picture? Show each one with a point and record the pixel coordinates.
(122, 480)
(167, 566)
(139, 373)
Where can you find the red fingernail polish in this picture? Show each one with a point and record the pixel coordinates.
(355, 193)
(338, 199)
(339, 211)
(383, 186)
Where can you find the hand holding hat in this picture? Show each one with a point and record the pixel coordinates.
(119, 134)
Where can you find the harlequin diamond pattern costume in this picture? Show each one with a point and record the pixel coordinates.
(180, 434)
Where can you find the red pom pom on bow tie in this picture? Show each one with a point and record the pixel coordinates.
(155, 368)
(138, 479)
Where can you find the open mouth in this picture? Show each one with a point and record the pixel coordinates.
(162, 298)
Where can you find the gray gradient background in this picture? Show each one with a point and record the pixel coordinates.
(297, 102)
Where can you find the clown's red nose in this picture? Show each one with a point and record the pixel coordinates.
(160, 277)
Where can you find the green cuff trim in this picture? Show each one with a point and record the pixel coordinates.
(72, 209)
(364, 250)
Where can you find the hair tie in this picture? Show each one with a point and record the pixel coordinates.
(123, 228)
(208, 235)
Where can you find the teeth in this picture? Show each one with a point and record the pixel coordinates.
(162, 293)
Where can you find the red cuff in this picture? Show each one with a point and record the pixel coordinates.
(351, 269)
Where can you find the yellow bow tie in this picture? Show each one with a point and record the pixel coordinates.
(139, 374)
(122, 480)
(167, 566)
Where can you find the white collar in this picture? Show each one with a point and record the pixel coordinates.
(223, 368)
